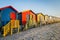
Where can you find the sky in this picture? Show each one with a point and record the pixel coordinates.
(47, 7)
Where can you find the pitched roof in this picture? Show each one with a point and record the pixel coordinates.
(41, 14)
(29, 11)
(9, 7)
(32, 12)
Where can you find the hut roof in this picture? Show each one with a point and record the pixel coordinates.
(40, 13)
(8, 7)
(29, 11)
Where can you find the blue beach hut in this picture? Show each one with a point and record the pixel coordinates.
(5, 14)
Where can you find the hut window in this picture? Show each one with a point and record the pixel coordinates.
(12, 15)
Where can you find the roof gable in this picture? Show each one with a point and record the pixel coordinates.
(32, 12)
(8, 7)
(40, 13)
(29, 11)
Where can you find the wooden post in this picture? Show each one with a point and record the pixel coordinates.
(26, 26)
(18, 26)
(11, 24)
(4, 31)
(11, 31)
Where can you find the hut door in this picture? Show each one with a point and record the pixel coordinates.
(31, 19)
(41, 18)
(13, 16)
(27, 17)
(20, 18)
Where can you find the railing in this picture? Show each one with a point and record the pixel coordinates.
(14, 24)
(10, 26)
(6, 29)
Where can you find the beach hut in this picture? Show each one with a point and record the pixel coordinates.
(6, 14)
(26, 15)
(46, 19)
(49, 19)
(40, 18)
(52, 19)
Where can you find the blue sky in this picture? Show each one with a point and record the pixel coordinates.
(50, 7)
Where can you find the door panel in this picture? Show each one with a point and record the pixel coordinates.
(20, 18)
